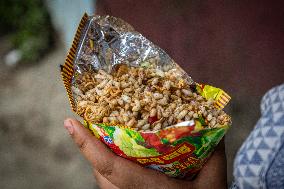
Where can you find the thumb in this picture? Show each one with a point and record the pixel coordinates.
(93, 150)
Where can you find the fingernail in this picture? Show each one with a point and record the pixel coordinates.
(69, 126)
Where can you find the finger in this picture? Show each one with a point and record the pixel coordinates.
(119, 171)
(126, 174)
(93, 150)
(102, 182)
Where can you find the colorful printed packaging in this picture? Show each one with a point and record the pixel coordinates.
(178, 151)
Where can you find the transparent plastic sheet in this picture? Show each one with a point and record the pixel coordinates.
(108, 41)
(102, 42)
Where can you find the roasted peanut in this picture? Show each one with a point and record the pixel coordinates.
(182, 114)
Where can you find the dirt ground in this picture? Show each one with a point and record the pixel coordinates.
(36, 151)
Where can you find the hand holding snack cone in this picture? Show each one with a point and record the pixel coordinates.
(139, 102)
(112, 171)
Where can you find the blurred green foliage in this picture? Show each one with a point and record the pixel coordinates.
(29, 25)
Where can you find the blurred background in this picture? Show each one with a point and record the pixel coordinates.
(235, 45)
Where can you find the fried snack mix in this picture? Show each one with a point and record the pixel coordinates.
(139, 102)
(143, 99)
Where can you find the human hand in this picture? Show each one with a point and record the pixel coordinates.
(112, 171)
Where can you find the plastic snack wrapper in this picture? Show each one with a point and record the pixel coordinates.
(178, 150)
